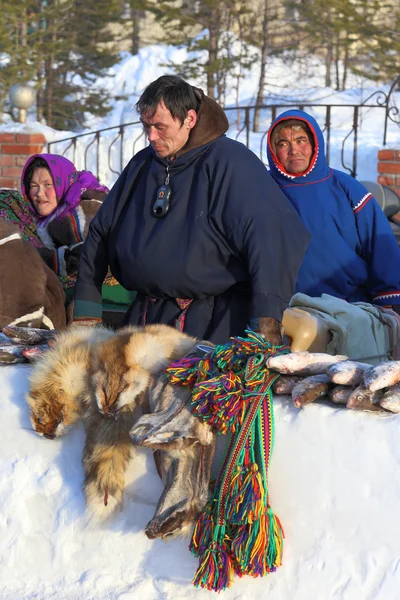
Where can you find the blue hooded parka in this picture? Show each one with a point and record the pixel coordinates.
(353, 253)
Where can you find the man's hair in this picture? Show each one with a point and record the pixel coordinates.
(37, 163)
(294, 124)
(178, 96)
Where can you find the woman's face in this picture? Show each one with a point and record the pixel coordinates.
(42, 193)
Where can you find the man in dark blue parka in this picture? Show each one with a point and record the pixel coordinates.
(353, 253)
(196, 225)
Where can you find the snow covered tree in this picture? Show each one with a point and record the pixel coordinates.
(208, 30)
(62, 47)
(86, 50)
(19, 45)
(357, 35)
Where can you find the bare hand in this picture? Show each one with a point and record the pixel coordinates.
(271, 330)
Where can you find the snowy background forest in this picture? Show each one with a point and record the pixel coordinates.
(335, 474)
(89, 61)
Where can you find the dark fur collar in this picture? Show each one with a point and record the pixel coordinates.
(211, 123)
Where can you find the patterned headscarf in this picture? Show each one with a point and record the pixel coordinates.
(68, 183)
(15, 209)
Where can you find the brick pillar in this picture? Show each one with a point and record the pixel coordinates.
(389, 169)
(15, 149)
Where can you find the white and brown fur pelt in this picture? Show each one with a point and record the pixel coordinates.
(103, 377)
(30, 293)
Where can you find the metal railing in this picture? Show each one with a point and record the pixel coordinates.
(120, 143)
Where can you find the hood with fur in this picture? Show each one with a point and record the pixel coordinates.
(211, 123)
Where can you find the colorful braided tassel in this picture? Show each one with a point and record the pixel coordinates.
(237, 532)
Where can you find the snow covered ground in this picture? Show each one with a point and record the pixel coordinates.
(334, 483)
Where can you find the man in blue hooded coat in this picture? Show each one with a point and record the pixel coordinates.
(353, 253)
(196, 225)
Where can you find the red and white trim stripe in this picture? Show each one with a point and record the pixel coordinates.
(278, 165)
(388, 295)
(362, 202)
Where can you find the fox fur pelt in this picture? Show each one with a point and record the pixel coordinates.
(103, 377)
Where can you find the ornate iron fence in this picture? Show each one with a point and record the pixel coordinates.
(106, 152)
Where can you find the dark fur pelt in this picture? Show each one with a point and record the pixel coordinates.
(211, 123)
(103, 377)
(63, 238)
(30, 293)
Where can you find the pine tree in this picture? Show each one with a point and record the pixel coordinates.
(357, 35)
(205, 28)
(381, 43)
(18, 43)
(87, 51)
(62, 47)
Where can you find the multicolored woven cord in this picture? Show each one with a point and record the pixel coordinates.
(237, 533)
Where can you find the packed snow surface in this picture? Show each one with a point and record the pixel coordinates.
(334, 483)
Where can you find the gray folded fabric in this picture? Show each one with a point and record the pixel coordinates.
(361, 331)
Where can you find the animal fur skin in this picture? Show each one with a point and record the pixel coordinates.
(184, 448)
(30, 293)
(123, 369)
(59, 383)
(103, 376)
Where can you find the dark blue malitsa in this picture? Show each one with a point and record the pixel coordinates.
(230, 241)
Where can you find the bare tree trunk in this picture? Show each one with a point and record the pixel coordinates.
(50, 38)
(212, 55)
(239, 74)
(225, 25)
(135, 17)
(337, 66)
(48, 96)
(23, 38)
(328, 64)
(345, 62)
(264, 55)
(40, 99)
(40, 77)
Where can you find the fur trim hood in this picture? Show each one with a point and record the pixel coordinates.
(211, 123)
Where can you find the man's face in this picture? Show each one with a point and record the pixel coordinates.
(293, 150)
(166, 134)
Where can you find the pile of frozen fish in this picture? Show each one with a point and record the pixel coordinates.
(23, 344)
(308, 376)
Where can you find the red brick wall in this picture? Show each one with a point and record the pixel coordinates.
(15, 149)
(389, 169)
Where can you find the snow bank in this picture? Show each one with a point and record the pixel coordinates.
(334, 483)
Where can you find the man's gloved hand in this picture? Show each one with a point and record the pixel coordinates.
(93, 195)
